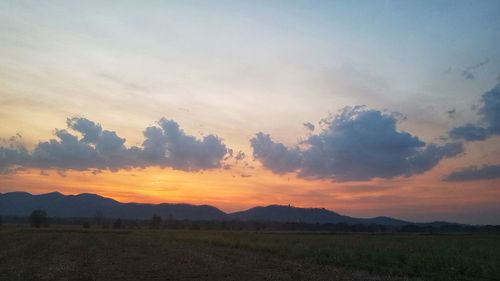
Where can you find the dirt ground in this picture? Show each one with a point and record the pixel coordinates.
(126, 255)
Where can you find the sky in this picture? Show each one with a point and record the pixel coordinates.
(366, 108)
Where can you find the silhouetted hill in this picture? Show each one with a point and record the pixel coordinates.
(307, 215)
(86, 205)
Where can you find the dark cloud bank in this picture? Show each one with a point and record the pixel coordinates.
(86, 146)
(471, 173)
(487, 126)
(489, 122)
(357, 144)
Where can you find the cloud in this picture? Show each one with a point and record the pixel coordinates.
(13, 155)
(468, 73)
(452, 113)
(275, 156)
(489, 122)
(169, 146)
(309, 126)
(165, 145)
(123, 83)
(429, 157)
(357, 144)
(471, 173)
(89, 129)
(490, 110)
(469, 132)
(240, 156)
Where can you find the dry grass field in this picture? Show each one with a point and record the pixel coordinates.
(66, 253)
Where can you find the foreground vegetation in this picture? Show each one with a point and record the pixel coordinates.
(71, 253)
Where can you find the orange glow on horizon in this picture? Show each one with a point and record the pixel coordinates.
(227, 190)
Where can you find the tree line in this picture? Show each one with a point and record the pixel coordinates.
(39, 218)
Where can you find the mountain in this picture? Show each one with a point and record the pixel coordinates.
(86, 205)
(290, 214)
(281, 213)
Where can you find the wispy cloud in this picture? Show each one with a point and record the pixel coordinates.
(472, 173)
(309, 126)
(469, 74)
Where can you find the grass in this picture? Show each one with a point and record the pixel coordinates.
(436, 257)
(77, 254)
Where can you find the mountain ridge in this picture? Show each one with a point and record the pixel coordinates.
(56, 204)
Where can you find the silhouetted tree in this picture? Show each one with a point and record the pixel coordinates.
(155, 222)
(117, 224)
(38, 218)
(99, 218)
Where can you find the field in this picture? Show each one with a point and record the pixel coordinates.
(65, 253)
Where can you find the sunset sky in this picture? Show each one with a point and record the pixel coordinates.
(366, 108)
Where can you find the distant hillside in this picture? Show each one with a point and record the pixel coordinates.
(307, 215)
(86, 205)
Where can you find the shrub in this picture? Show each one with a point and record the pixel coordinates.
(39, 218)
(117, 224)
(155, 222)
